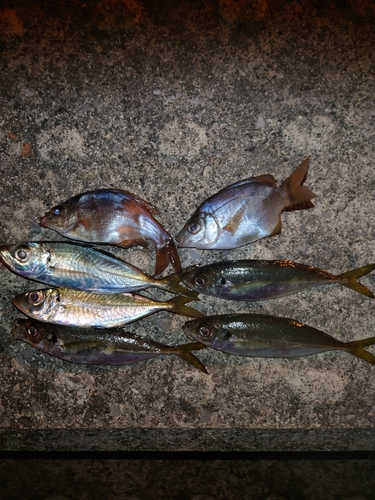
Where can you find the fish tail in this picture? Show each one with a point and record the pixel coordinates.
(162, 259)
(178, 306)
(357, 349)
(183, 351)
(298, 196)
(173, 256)
(172, 284)
(167, 253)
(349, 279)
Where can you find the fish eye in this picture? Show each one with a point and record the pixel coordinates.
(204, 330)
(222, 281)
(200, 280)
(33, 332)
(22, 254)
(194, 227)
(57, 211)
(35, 298)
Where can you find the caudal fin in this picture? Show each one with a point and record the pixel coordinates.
(357, 349)
(298, 196)
(178, 306)
(165, 254)
(183, 351)
(349, 278)
(171, 283)
(162, 259)
(173, 256)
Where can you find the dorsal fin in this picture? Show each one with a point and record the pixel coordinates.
(146, 204)
(262, 179)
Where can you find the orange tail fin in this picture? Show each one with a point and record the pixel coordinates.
(165, 254)
(298, 196)
(174, 258)
(162, 259)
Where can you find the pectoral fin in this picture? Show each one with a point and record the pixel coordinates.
(235, 220)
(132, 242)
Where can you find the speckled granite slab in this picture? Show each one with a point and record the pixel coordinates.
(173, 103)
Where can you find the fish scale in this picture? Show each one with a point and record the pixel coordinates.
(245, 211)
(113, 216)
(81, 267)
(98, 347)
(76, 308)
(266, 279)
(257, 335)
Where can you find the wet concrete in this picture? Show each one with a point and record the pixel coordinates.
(173, 103)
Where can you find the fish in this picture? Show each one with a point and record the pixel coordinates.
(113, 216)
(245, 212)
(93, 346)
(266, 279)
(81, 267)
(65, 306)
(259, 335)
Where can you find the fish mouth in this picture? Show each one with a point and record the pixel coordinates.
(44, 221)
(17, 330)
(177, 238)
(5, 256)
(186, 331)
(181, 240)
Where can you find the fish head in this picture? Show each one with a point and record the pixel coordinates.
(201, 231)
(197, 279)
(39, 304)
(212, 331)
(34, 333)
(26, 259)
(206, 280)
(201, 330)
(61, 218)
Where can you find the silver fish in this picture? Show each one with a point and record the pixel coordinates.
(116, 217)
(65, 306)
(80, 267)
(98, 347)
(245, 211)
(266, 279)
(269, 337)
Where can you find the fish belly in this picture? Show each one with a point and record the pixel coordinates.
(276, 350)
(248, 224)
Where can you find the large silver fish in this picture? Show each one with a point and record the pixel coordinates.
(65, 306)
(113, 216)
(98, 347)
(245, 211)
(266, 279)
(81, 268)
(269, 337)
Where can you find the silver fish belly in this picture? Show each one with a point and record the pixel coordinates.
(267, 336)
(245, 211)
(65, 306)
(79, 267)
(266, 279)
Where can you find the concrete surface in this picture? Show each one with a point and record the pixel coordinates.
(174, 102)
